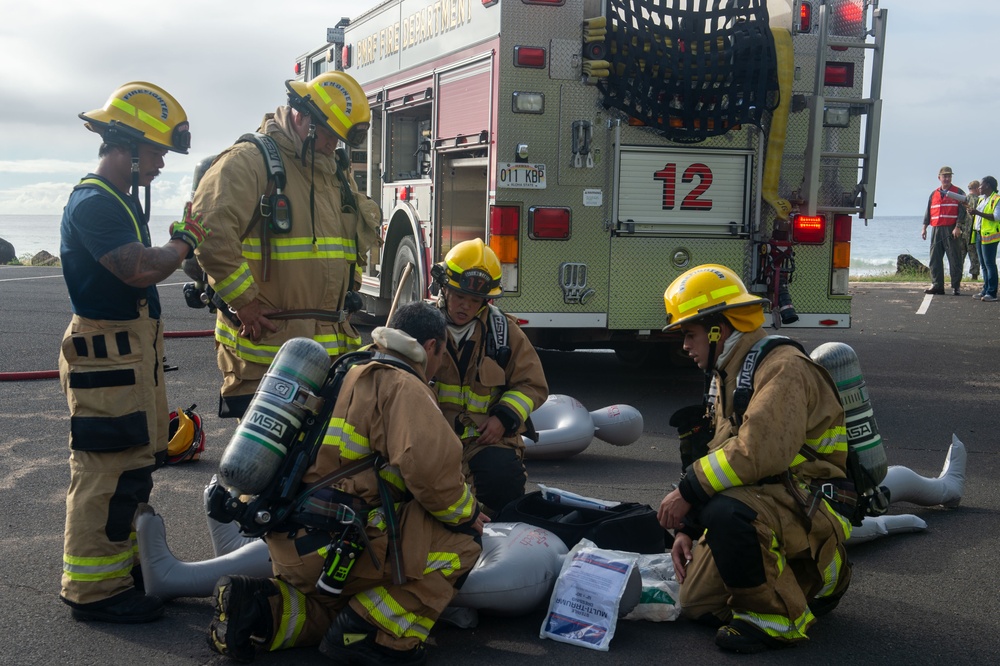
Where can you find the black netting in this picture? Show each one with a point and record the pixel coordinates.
(690, 68)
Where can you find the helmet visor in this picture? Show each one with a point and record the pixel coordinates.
(357, 134)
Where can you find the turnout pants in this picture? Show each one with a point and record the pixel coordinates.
(435, 562)
(112, 375)
(762, 561)
(495, 473)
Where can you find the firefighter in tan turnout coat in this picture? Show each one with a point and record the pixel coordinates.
(771, 555)
(286, 281)
(491, 379)
(397, 588)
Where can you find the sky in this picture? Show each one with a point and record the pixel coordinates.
(226, 62)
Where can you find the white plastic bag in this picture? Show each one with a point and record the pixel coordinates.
(583, 609)
(660, 590)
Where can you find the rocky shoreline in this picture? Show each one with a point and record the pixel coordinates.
(8, 255)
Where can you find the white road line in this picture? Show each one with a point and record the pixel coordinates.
(925, 304)
(37, 277)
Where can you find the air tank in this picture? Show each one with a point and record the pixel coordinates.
(863, 436)
(274, 417)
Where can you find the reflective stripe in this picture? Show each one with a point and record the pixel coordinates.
(520, 403)
(391, 474)
(388, 614)
(834, 440)
(139, 114)
(341, 116)
(779, 556)
(290, 249)
(463, 396)
(100, 568)
(446, 563)
(715, 294)
(101, 184)
(293, 617)
(336, 344)
(235, 283)
(717, 470)
(831, 576)
(459, 511)
(352, 445)
(778, 626)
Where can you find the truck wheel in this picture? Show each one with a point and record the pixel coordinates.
(413, 290)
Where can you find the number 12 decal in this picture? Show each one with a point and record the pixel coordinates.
(668, 174)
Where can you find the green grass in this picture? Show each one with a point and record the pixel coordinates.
(907, 276)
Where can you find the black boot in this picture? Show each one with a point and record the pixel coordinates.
(351, 640)
(242, 617)
(744, 638)
(129, 607)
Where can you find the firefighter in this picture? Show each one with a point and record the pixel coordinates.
(491, 378)
(397, 587)
(285, 280)
(110, 362)
(770, 555)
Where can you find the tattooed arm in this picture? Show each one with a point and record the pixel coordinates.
(139, 266)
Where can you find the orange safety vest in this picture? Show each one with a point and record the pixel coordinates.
(944, 211)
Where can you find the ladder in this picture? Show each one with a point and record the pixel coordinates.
(870, 108)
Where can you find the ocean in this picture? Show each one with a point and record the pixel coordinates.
(874, 248)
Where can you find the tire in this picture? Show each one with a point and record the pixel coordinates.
(413, 290)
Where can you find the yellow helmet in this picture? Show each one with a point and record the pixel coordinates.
(140, 111)
(471, 267)
(710, 289)
(335, 99)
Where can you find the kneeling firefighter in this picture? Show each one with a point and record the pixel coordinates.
(491, 379)
(384, 527)
(769, 502)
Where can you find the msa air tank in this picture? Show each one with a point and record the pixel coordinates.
(863, 439)
(274, 417)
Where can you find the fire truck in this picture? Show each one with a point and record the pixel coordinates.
(603, 147)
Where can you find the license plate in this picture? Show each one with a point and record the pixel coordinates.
(519, 175)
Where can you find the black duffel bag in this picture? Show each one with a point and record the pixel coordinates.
(630, 526)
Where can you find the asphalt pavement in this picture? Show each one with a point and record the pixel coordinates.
(931, 365)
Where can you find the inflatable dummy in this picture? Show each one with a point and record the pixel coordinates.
(905, 485)
(565, 427)
(519, 563)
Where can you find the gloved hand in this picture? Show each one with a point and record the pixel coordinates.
(353, 302)
(191, 230)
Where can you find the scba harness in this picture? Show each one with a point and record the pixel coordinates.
(854, 497)
(331, 518)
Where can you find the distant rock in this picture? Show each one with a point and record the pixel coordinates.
(43, 258)
(906, 263)
(7, 253)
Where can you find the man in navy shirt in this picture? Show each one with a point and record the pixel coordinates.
(110, 364)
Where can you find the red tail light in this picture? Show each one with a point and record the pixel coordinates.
(548, 223)
(839, 74)
(345, 56)
(505, 225)
(805, 17)
(842, 228)
(529, 56)
(809, 229)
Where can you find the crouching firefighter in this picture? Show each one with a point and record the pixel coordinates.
(490, 379)
(383, 527)
(768, 503)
